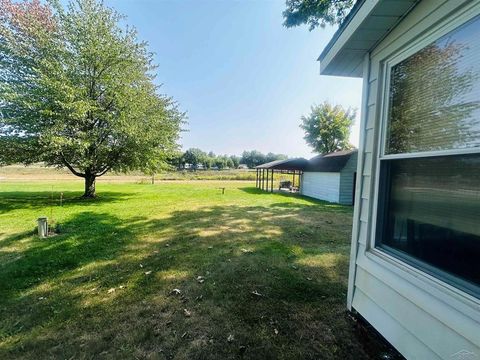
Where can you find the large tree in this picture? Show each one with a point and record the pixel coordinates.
(316, 12)
(77, 91)
(327, 128)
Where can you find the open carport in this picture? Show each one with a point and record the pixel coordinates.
(265, 172)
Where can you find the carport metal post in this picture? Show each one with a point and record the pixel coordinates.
(266, 188)
(293, 184)
(259, 178)
(271, 182)
(263, 179)
(256, 179)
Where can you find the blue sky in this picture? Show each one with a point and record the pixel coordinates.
(243, 78)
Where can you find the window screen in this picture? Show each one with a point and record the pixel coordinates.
(435, 95)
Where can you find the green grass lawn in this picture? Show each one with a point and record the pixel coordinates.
(260, 276)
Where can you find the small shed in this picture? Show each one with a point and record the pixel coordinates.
(331, 177)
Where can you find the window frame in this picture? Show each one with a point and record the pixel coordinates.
(401, 265)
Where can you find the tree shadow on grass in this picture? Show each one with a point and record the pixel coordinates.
(308, 200)
(104, 288)
(257, 191)
(14, 200)
(87, 237)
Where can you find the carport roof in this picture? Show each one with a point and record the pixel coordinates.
(333, 162)
(289, 164)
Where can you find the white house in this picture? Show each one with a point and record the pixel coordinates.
(331, 177)
(415, 257)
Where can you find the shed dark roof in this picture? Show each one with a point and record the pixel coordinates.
(289, 164)
(333, 162)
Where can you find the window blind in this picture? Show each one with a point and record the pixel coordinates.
(435, 95)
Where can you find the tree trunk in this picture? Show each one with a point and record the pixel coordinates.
(89, 186)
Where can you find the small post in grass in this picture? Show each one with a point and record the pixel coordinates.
(42, 227)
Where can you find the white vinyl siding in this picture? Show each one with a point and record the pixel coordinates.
(423, 317)
(321, 185)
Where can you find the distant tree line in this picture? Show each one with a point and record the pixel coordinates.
(196, 159)
(254, 158)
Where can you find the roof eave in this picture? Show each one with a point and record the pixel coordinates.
(367, 24)
(341, 29)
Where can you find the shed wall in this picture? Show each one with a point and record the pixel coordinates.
(422, 317)
(347, 180)
(321, 185)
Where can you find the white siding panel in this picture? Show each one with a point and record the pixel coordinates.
(373, 76)
(370, 117)
(367, 167)
(361, 252)
(369, 139)
(411, 348)
(362, 236)
(358, 186)
(321, 185)
(364, 213)
(366, 187)
(432, 321)
(372, 95)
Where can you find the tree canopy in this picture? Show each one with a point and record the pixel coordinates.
(77, 91)
(316, 13)
(327, 128)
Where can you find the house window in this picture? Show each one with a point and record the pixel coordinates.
(429, 209)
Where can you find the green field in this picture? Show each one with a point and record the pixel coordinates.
(260, 276)
(40, 172)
